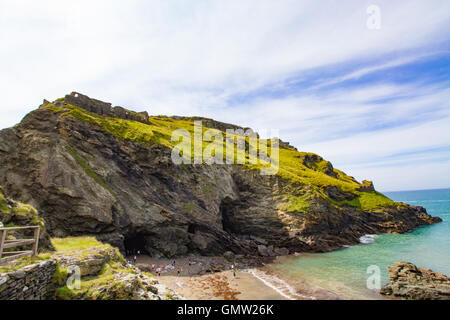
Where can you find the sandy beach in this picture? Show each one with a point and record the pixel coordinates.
(197, 280)
(212, 278)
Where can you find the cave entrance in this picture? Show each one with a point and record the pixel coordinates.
(134, 244)
(227, 208)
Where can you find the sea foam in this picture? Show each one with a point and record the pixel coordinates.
(279, 285)
(368, 238)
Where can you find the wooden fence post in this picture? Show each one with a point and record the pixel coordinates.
(2, 241)
(36, 241)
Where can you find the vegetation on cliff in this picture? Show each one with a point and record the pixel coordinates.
(11, 212)
(15, 214)
(302, 168)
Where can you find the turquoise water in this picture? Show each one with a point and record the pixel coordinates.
(345, 271)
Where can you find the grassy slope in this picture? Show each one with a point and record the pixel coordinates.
(76, 243)
(292, 166)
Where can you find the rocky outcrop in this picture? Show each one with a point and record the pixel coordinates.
(410, 282)
(14, 213)
(90, 179)
(103, 108)
(105, 275)
(89, 261)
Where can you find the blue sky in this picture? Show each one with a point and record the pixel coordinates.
(373, 102)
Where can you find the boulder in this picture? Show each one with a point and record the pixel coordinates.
(258, 240)
(262, 250)
(281, 251)
(410, 282)
(229, 256)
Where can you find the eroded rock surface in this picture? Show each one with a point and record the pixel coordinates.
(410, 282)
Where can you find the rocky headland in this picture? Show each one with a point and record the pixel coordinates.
(93, 169)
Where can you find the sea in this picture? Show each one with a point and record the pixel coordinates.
(356, 272)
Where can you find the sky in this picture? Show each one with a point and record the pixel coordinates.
(367, 89)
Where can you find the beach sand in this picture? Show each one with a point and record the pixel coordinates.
(194, 282)
(212, 278)
(221, 286)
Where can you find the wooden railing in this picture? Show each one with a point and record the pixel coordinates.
(6, 244)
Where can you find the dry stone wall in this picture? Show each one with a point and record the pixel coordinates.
(32, 282)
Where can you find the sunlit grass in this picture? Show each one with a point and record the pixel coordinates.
(75, 243)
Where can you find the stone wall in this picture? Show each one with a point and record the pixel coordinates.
(33, 282)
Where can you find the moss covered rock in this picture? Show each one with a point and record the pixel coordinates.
(105, 275)
(17, 214)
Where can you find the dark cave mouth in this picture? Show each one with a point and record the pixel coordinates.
(134, 243)
(227, 209)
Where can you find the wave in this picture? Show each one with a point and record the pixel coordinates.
(279, 285)
(368, 238)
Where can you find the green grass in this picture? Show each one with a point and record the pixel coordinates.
(3, 203)
(297, 204)
(53, 107)
(95, 287)
(370, 201)
(76, 243)
(89, 170)
(60, 276)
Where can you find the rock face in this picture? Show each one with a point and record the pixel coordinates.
(85, 180)
(410, 282)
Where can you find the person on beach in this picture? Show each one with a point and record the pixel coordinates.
(173, 263)
(178, 272)
(234, 270)
(134, 259)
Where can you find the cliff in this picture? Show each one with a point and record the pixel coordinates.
(90, 168)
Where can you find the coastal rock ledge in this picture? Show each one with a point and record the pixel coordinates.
(410, 282)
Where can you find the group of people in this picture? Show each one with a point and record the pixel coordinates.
(159, 269)
(133, 254)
